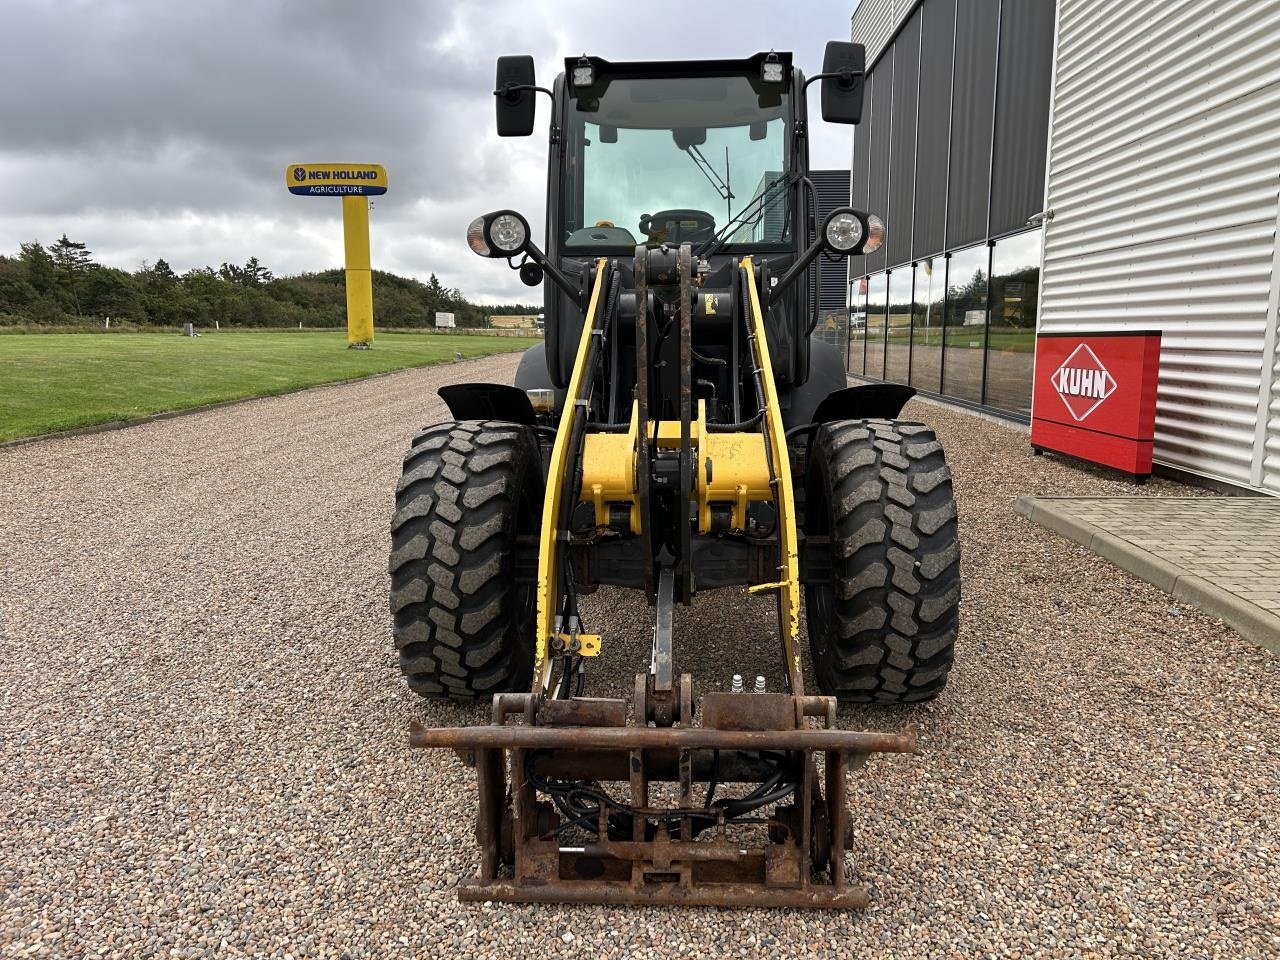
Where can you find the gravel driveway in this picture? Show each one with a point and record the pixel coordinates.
(204, 731)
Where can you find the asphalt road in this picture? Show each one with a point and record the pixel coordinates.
(205, 732)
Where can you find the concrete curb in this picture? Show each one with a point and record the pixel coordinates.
(1248, 619)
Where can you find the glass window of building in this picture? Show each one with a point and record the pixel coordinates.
(1011, 336)
(857, 352)
(832, 327)
(877, 301)
(926, 333)
(966, 322)
(898, 329)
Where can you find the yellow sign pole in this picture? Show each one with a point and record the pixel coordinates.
(355, 237)
(355, 183)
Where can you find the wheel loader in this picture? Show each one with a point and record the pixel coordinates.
(679, 432)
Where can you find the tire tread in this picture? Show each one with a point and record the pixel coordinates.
(894, 604)
(463, 629)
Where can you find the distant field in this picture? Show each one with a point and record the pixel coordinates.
(61, 381)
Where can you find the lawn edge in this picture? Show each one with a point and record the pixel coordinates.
(220, 404)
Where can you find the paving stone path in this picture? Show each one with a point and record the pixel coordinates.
(1220, 553)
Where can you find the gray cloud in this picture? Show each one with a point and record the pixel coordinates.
(153, 128)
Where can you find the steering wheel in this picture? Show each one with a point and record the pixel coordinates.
(678, 226)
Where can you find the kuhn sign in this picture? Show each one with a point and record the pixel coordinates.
(1083, 382)
(1095, 397)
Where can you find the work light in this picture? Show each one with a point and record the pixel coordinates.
(508, 233)
(771, 69)
(503, 233)
(584, 74)
(843, 231)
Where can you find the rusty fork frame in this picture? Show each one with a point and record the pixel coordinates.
(523, 855)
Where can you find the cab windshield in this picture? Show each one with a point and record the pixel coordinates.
(675, 159)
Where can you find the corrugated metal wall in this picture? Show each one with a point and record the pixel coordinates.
(933, 126)
(878, 169)
(902, 149)
(862, 165)
(1266, 440)
(874, 22)
(972, 115)
(945, 155)
(1164, 179)
(1271, 436)
(1017, 161)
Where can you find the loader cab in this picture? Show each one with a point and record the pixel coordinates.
(644, 156)
(712, 153)
(657, 152)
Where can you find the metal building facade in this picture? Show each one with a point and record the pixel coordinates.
(950, 154)
(1164, 181)
(874, 26)
(1159, 162)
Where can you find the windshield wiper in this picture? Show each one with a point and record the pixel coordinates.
(720, 184)
(748, 216)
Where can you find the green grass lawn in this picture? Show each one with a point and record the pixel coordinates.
(52, 382)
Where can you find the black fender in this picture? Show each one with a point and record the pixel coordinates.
(870, 401)
(488, 401)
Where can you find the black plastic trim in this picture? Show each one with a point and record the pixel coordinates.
(868, 401)
(488, 401)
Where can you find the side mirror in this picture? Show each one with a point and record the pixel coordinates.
(843, 68)
(513, 94)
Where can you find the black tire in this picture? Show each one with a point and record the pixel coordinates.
(464, 626)
(882, 629)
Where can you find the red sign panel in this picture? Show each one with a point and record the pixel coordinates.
(1095, 397)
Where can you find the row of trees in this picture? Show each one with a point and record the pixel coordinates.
(60, 284)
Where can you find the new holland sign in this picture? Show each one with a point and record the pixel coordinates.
(1095, 397)
(336, 179)
(353, 183)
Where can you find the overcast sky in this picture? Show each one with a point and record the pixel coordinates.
(162, 129)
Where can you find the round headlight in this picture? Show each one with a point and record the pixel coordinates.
(844, 232)
(475, 237)
(508, 233)
(875, 234)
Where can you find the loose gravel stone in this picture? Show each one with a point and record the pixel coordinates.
(205, 732)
